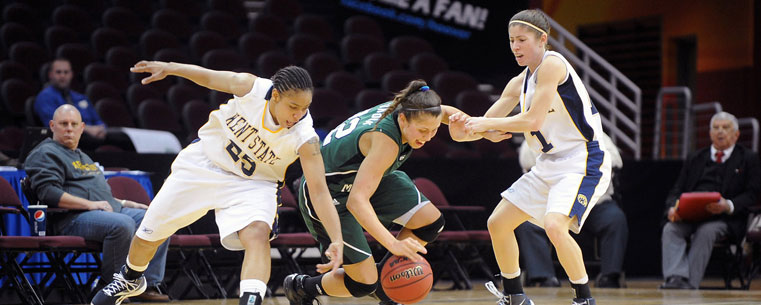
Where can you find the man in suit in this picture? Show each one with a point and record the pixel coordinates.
(727, 168)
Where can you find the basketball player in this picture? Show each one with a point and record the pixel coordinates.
(236, 169)
(572, 170)
(362, 156)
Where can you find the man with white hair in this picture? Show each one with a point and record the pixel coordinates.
(724, 167)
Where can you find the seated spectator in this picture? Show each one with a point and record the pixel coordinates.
(606, 222)
(65, 177)
(724, 167)
(59, 92)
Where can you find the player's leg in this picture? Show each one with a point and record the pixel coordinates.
(255, 271)
(501, 224)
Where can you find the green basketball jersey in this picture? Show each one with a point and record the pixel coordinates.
(340, 149)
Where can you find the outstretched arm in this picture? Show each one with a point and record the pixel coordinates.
(225, 81)
(381, 154)
(314, 172)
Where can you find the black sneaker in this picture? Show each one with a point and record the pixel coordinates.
(293, 286)
(510, 299)
(587, 301)
(250, 298)
(119, 289)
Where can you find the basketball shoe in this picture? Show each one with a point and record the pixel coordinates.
(293, 286)
(583, 301)
(119, 289)
(510, 299)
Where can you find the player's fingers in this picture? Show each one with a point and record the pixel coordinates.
(150, 79)
(140, 66)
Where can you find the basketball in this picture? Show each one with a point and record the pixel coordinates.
(406, 281)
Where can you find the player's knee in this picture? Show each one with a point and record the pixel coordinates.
(555, 230)
(430, 232)
(255, 233)
(358, 289)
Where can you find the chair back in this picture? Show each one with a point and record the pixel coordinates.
(431, 190)
(128, 188)
(9, 198)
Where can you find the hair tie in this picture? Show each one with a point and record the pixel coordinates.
(424, 88)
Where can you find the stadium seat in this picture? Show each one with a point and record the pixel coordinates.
(30, 54)
(73, 17)
(345, 83)
(376, 64)
(271, 61)
(449, 83)
(29, 114)
(473, 102)
(125, 20)
(171, 55)
(300, 46)
(105, 38)
(405, 47)
(121, 57)
(223, 23)
(23, 13)
(99, 89)
(270, 26)
(233, 7)
(180, 94)
(224, 59)
(191, 9)
(78, 54)
(98, 71)
(128, 188)
(14, 94)
(137, 93)
(11, 69)
(395, 81)
(195, 113)
(360, 24)
(327, 105)
(12, 32)
(154, 39)
(156, 114)
(287, 10)
(315, 25)
(252, 44)
(57, 35)
(320, 65)
(173, 22)
(114, 112)
(217, 98)
(369, 98)
(11, 138)
(355, 47)
(428, 65)
(204, 41)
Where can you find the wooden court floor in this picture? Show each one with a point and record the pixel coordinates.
(638, 292)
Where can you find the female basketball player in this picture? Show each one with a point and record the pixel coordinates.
(236, 169)
(573, 169)
(361, 160)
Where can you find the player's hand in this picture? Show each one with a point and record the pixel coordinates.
(718, 207)
(457, 129)
(335, 255)
(673, 216)
(101, 205)
(478, 124)
(157, 69)
(496, 136)
(408, 247)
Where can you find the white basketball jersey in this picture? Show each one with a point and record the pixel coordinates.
(241, 137)
(572, 120)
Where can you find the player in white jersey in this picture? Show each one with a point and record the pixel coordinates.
(572, 171)
(236, 169)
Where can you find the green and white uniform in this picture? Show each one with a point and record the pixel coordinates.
(395, 200)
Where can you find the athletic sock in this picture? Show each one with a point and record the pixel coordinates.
(313, 285)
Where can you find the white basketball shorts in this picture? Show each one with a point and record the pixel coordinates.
(570, 184)
(196, 186)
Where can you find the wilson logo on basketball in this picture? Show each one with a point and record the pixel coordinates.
(408, 273)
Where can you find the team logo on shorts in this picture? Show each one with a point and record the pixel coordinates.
(582, 199)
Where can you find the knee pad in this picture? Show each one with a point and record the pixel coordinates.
(358, 289)
(428, 233)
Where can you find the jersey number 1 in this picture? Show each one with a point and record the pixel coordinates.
(545, 146)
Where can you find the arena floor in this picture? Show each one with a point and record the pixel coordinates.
(638, 292)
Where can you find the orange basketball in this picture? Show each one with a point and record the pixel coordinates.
(406, 281)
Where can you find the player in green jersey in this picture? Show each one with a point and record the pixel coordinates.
(361, 158)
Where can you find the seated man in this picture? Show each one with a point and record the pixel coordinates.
(606, 222)
(59, 92)
(727, 168)
(63, 176)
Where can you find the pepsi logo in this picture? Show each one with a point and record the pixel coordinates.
(39, 215)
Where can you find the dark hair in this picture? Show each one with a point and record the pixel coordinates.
(415, 100)
(292, 78)
(532, 16)
(49, 65)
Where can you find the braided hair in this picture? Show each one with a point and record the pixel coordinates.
(417, 98)
(292, 78)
